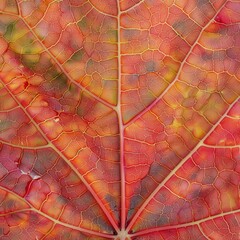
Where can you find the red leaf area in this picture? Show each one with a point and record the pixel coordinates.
(119, 119)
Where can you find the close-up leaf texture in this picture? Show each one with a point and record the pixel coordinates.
(119, 119)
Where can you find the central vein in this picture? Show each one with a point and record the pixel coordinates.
(121, 137)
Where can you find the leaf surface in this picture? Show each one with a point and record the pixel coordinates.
(119, 119)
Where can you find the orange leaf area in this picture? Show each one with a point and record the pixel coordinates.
(119, 119)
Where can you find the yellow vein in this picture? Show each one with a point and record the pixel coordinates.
(121, 129)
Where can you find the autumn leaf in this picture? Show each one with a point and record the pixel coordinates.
(119, 119)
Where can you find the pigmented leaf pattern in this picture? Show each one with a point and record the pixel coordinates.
(119, 119)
